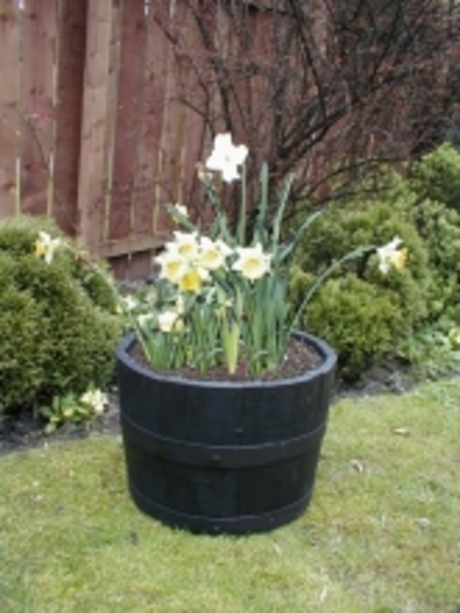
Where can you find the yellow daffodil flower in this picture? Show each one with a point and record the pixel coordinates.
(45, 246)
(191, 281)
(390, 255)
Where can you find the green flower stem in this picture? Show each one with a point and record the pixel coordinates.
(242, 220)
(320, 280)
(230, 341)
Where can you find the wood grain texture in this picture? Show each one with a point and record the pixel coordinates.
(70, 62)
(9, 94)
(96, 122)
(38, 41)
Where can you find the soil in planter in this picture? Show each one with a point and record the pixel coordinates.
(300, 358)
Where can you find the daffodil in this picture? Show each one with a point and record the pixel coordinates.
(170, 321)
(150, 297)
(96, 399)
(213, 254)
(454, 337)
(145, 320)
(129, 303)
(186, 244)
(226, 157)
(252, 262)
(45, 246)
(173, 265)
(181, 209)
(180, 305)
(390, 255)
(192, 280)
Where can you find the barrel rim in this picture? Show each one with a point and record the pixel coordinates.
(327, 365)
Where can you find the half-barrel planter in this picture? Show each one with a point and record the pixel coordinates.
(232, 457)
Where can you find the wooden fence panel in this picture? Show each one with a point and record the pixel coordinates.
(193, 73)
(68, 111)
(105, 137)
(9, 73)
(153, 104)
(38, 42)
(173, 138)
(128, 120)
(96, 121)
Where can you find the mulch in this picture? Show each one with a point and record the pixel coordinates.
(25, 431)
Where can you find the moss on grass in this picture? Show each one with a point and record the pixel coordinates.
(381, 534)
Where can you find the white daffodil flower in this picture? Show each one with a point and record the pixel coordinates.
(45, 246)
(390, 255)
(186, 244)
(129, 303)
(169, 321)
(145, 320)
(96, 399)
(213, 253)
(180, 305)
(252, 262)
(173, 265)
(181, 209)
(226, 157)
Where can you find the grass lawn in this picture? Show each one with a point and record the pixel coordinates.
(381, 535)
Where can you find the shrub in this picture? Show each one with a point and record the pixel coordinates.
(436, 176)
(360, 311)
(57, 334)
(359, 320)
(439, 227)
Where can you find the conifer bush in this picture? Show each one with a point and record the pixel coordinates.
(359, 310)
(359, 320)
(366, 315)
(58, 328)
(436, 176)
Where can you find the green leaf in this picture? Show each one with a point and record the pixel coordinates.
(289, 249)
(277, 221)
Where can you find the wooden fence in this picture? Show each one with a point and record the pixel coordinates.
(92, 131)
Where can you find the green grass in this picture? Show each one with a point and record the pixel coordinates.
(381, 535)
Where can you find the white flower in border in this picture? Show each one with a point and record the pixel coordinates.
(96, 399)
(213, 253)
(226, 157)
(45, 246)
(390, 255)
(252, 262)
